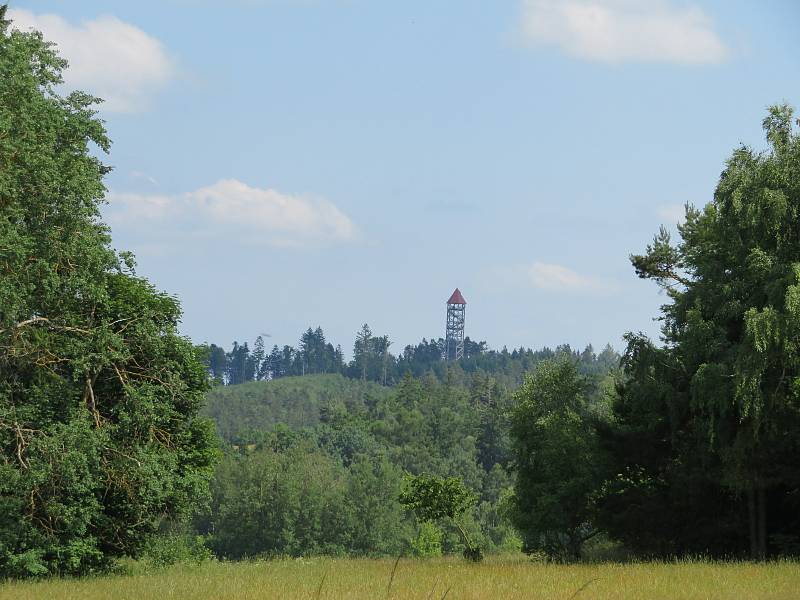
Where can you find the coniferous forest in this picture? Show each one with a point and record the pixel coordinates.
(121, 439)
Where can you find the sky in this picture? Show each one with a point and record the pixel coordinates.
(280, 164)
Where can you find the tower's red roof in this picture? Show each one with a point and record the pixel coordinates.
(456, 298)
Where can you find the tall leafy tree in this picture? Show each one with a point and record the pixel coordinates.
(557, 461)
(732, 324)
(99, 438)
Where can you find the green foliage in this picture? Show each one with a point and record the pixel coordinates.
(558, 464)
(173, 548)
(707, 428)
(665, 497)
(300, 501)
(367, 435)
(433, 498)
(428, 542)
(295, 401)
(428, 427)
(496, 530)
(99, 439)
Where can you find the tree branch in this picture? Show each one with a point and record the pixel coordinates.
(34, 320)
(89, 399)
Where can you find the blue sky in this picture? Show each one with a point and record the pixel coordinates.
(281, 164)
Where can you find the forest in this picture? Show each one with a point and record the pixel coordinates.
(120, 439)
(373, 361)
(359, 439)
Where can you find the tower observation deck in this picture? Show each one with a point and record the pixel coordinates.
(454, 332)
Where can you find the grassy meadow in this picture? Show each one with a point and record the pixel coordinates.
(496, 579)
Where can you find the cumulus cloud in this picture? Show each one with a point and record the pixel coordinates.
(234, 210)
(107, 57)
(558, 278)
(624, 30)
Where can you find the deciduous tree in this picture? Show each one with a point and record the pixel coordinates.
(732, 324)
(99, 438)
(557, 461)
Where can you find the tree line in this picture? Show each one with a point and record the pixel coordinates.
(373, 361)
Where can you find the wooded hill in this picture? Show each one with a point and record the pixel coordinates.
(321, 455)
(297, 402)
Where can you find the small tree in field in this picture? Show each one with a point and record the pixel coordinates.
(433, 498)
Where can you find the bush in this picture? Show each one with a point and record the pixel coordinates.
(169, 549)
(428, 542)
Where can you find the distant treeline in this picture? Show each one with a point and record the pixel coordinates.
(373, 361)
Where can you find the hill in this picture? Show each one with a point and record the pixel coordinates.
(295, 401)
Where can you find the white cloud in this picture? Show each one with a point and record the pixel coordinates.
(137, 208)
(672, 213)
(107, 57)
(232, 208)
(624, 30)
(558, 278)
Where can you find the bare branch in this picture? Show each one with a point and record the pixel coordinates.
(89, 399)
(50, 324)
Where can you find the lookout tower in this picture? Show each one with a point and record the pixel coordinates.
(454, 333)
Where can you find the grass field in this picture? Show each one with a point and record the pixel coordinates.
(495, 579)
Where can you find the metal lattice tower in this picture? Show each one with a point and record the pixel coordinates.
(454, 333)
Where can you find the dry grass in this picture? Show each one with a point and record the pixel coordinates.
(496, 579)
